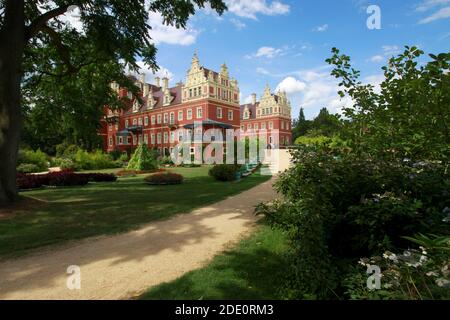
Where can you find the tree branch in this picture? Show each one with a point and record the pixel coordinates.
(60, 47)
(40, 22)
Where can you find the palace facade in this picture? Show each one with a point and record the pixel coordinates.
(209, 98)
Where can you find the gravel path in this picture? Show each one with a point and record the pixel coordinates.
(125, 265)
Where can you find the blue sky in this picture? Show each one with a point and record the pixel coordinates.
(285, 43)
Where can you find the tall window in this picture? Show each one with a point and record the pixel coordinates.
(153, 119)
(159, 118)
(110, 141)
(172, 136)
(146, 121)
(146, 138)
(270, 125)
(152, 138)
(189, 114)
(158, 138)
(166, 137)
(140, 121)
(230, 114)
(199, 112)
(166, 118)
(172, 118)
(219, 112)
(134, 122)
(180, 115)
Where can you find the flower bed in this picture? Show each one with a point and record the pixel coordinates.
(101, 177)
(61, 178)
(164, 178)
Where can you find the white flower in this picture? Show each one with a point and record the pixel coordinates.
(441, 282)
(432, 274)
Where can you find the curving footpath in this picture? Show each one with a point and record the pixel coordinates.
(125, 265)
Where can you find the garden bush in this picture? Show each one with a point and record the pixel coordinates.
(224, 172)
(95, 160)
(66, 164)
(340, 207)
(37, 158)
(61, 178)
(28, 181)
(101, 177)
(164, 178)
(27, 168)
(415, 274)
(143, 159)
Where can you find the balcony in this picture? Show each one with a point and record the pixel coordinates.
(134, 129)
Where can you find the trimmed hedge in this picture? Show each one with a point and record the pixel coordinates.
(61, 178)
(224, 172)
(164, 178)
(101, 177)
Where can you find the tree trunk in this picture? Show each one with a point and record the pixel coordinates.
(12, 39)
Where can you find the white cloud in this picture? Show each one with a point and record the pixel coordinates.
(262, 71)
(251, 8)
(441, 14)
(426, 5)
(291, 85)
(390, 50)
(321, 28)
(238, 23)
(377, 58)
(150, 76)
(162, 33)
(265, 52)
(248, 100)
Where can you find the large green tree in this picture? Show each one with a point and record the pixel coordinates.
(301, 125)
(409, 117)
(36, 41)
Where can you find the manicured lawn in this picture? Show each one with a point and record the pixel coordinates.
(105, 208)
(252, 270)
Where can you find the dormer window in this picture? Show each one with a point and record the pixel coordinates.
(246, 114)
(135, 106)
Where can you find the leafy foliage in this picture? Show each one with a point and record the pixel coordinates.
(410, 116)
(224, 172)
(164, 178)
(36, 158)
(143, 159)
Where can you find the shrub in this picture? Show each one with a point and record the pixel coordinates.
(64, 178)
(414, 274)
(166, 160)
(61, 178)
(339, 207)
(224, 172)
(37, 158)
(66, 164)
(28, 181)
(164, 178)
(27, 168)
(101, 177)
(143, 159)
(95, 160)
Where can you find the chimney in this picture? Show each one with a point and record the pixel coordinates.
(142, 78)
(165, 83)
(146, 89)
(253, 98)
(157, 82)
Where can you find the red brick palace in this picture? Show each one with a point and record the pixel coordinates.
(209, 97)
